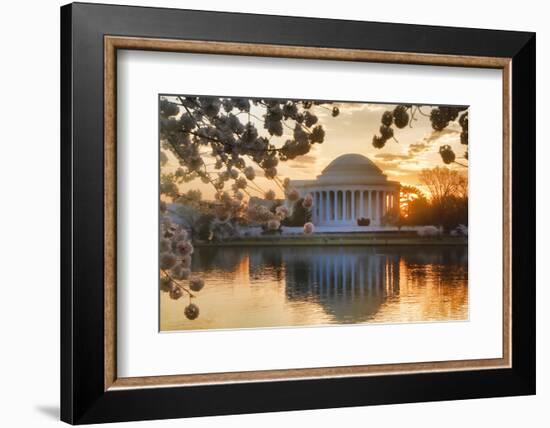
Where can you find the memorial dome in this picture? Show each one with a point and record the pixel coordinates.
(352, 168)
(349, 191)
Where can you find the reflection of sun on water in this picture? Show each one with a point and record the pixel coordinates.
(242, 271)
(425, 296)
(269, 287)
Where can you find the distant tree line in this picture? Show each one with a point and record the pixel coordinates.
(446, 206)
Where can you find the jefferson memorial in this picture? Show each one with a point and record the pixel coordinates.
(350, 191)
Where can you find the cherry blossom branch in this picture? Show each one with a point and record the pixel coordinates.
(182, 287)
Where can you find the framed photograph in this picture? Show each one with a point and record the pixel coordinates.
(266, 213)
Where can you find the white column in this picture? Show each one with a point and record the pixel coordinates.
(313, 206)
(340, 212)
(350, 199)
(318, 210)
(344, 205)
(312, 194)
(317, 206)
(327, 206)
(370, 207)
(362, 204)
(335, 205)
(380, 205)
(353, 205)
(321, 207)
(331, 208)
(374, 205)
(339, 205)
(315, 216)
(373, 201)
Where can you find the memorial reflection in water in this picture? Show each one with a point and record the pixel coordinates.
(295, 286)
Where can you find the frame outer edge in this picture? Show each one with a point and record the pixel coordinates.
(82, 402)
(523, 218)
(66, 304)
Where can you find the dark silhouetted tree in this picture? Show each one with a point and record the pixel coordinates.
(440, 118)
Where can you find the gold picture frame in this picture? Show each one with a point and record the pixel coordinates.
(114, 43)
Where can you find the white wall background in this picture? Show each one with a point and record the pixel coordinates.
(29, 214)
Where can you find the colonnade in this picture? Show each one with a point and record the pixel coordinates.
(334, 206)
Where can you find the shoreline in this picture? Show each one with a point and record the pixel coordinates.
(337, 240)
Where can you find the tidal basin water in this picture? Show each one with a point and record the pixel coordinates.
(252, 287)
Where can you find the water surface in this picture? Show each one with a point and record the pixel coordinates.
(249, 287)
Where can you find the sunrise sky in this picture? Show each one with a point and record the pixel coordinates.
(352, 132)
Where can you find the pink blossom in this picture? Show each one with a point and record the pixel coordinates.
(249, 173)
(191, 311)
(196, 284)
(181, 235)
(165, 283)
(165, 245)
(167, 260)
(281, 212)
(259, 213)
(309, 228)
(273, 224)
(269, 195)
(186, 261)
(176, 293)
(307, 203)
(270, 173)
(293, 195)
(184, 248)
(241, 183)
(180, 271)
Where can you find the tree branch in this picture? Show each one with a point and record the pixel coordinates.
(182, 287)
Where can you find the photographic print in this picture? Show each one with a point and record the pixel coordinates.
(293, 213)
